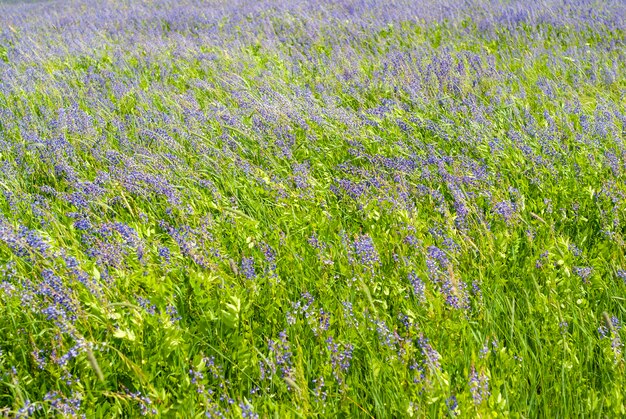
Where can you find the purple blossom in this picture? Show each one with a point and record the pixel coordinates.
(479, 386)
(575, 250)
(247, 411)
(144, 402)
(419, 288)
(28, 409)
(456, 295)
(146, 305)
(583, 272)
(436, 260)
(365, 251)
(173, 313)
(452, 404)
(247, 268)
(319, 392)
(164, 253)
(505, 209)
(431, 356)
(279, 358)
(270, 259)
(71, 354)
(348, 314)
(66, 406)
(40, 359)
(340, 358)
(539, 263)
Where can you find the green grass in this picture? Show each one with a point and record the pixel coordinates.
(203, 156)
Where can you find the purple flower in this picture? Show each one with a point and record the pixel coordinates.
(39, 358)
(63, 405)
(436, 259)
(247, 411)
(144, 403)
(348, 314)
(173, 313)
(247, 267)
(542, 259)
(270, 258)
(452, 404)
(479, 386)
(27, 410)
(431, 356)
(319, 392)
(419, 288)
(583, 272)
(505, 209)
(340, 359)
(164, 253)
(365, 251)
(279, 358)
(575, 250)
(146, 305)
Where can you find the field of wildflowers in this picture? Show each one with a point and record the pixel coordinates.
(312, 208)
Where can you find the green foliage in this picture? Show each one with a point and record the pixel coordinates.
(240, 287)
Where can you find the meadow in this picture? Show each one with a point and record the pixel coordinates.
(312, 208)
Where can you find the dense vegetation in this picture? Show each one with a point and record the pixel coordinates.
(312, 208)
